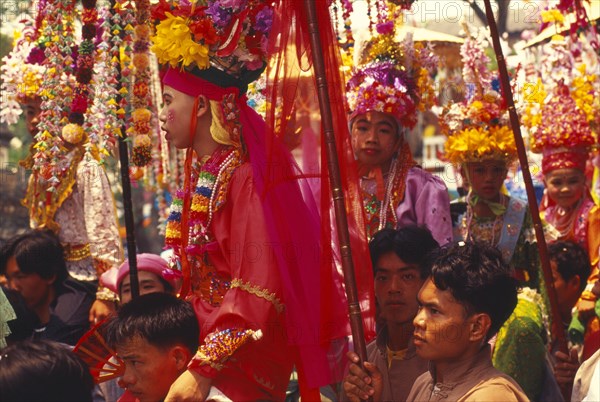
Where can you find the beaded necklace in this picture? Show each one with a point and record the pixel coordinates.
(469, 226)
(380, 214)
(212, 181)
(377, 210)
(564, 219)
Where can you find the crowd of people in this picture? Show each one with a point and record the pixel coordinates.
(463, 309)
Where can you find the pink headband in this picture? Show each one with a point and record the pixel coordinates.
(193, 85)
(152, 263)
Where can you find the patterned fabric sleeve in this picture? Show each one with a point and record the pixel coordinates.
(219, 346)
(100, 215)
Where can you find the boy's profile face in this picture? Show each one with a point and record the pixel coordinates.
(175, 117)
(149, 370)
(396, 286)
(442, 327)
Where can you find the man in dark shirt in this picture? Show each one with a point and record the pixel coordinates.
(400, 267)
(35, 268)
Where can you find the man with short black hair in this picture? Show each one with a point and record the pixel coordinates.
(400, 268)
(462, 305)
(156, 335)
(43, 371)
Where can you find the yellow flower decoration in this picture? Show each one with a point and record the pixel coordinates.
(141, 114)
(534, 93)
(479, 143)
(73, 133)
(554, 16)
(142, 141)
(173, 44)
(583, 93)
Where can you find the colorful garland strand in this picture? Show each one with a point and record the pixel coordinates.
(74, 132)
(142, 115)
(347, 10)
(121, 48)
(102, 119)
(58, 41)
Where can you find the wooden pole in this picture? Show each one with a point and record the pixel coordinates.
(356, 322)
(557, 329)
(126, 184)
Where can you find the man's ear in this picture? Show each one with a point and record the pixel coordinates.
(203, 106)
(479, 326)
(51, 280)
(181, 356)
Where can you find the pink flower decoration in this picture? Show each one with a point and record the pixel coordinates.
(80, 104)
(385, 28)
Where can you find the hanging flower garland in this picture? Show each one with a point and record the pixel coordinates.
(122, 28)
(103, 119)
(74, 132)
(142, 115)
(57, 40)
(346, 11)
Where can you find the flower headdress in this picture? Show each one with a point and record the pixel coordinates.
(477, 129)
(563, 125)
(229, 35)
(22, 73)
(395, 79)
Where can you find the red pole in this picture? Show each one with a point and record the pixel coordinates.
(557, 330)
(356, 322)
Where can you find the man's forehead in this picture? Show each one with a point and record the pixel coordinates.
(143, 276)
(133, 346)
(397, 268)
(430, 292)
